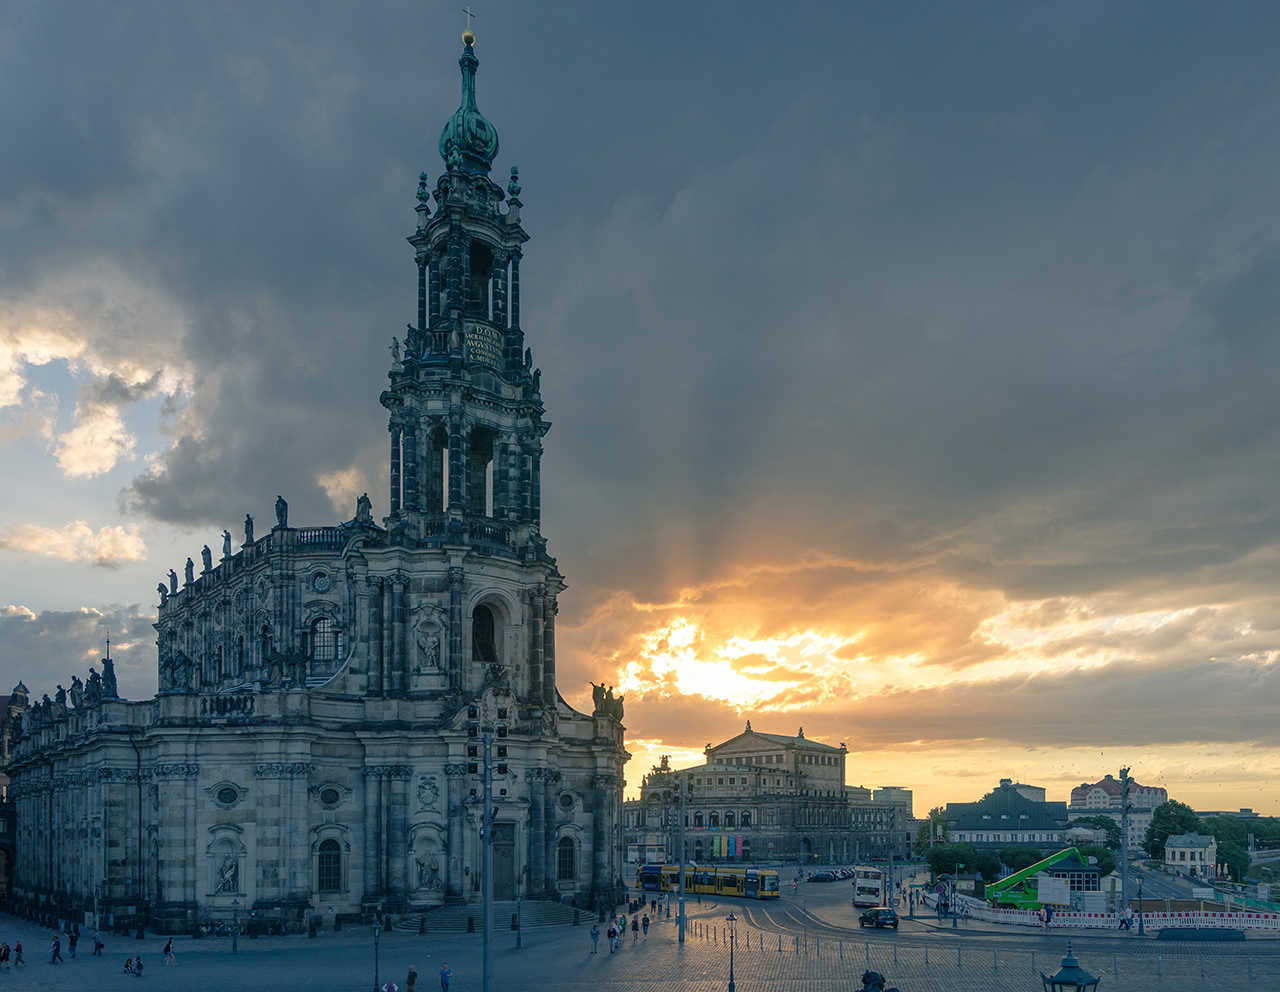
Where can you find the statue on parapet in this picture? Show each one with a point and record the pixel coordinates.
(173, 582)
(77, 692)
(206, 558)
(189, 571)
(597, 699)
(163, 590)
(226, 544)
(282, 512)
(93, 691)
(395, 351)
(364, 510)
(109, 687)
(60, 701)
(248, 528)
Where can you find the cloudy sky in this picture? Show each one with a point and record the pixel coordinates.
(911, 366)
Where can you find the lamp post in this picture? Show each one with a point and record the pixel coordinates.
(1141, 932)
(732, 921)
(486, 834)
(680, 871)
(519, 890)
(377, 933)
(955, 915)
(235, 926)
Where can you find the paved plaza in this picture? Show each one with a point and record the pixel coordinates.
(914, 960)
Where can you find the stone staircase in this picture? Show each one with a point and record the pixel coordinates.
(453, 919)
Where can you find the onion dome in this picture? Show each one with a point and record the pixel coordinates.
(468, 141)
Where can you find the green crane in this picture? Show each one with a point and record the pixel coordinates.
(1020, 890)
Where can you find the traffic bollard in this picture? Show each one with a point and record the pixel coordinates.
(957, 957)
(926, 955)
(779, 943)
(895, 955)
(995, 962)
(868, 950)
(841, 943)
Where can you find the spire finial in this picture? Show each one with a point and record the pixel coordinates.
(108, 647)
(468, 36)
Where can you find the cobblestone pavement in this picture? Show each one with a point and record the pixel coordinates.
(560, 959)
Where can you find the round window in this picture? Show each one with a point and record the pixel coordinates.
(320, 582)
(330, 796)
(228, 796)
(566, 801)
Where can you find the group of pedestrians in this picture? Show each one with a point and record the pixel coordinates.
(11, 956)
(617, 931)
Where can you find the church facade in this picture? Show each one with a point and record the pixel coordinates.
(325, 693)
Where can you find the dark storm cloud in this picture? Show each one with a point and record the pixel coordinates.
(45, 649)
(924, 293)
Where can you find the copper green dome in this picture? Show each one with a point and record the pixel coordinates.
(468, 141)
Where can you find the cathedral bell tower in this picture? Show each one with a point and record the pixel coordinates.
(466, 415)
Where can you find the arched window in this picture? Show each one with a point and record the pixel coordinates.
(329, 866)
(715, 820)
(697, 820)
(746, 819)
(326, 642)
(483, 646)
(566, 861)
(729, 820)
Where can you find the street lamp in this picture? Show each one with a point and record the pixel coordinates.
(377, 933)
(955, 878)
(1141, 932)
(732, 921)
(519, 890)
(235, 926)
(1070, 977)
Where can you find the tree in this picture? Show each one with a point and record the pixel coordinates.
(1167, 819)
(946, 859)
(1235, 857)
(935, 825)
(1106, 857)
(1019, 856)
(1104, 823)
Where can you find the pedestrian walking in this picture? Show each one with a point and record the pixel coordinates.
(411, 980)
(4, 955)
(635, 931)
(595, 937)
(445, 974)
(55, 950)
(128, 966)
(613, 937)
(17, 953)
(644, 925)
(97, 944)
(137, 966)
(72, 941)
(169, 957)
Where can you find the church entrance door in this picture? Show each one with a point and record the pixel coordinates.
(504, 861)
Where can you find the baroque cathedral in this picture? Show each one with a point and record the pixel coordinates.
(316, 744)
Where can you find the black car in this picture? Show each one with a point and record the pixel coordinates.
(879, 916)
(822, 876)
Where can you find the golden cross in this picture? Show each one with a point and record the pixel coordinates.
(470, 14)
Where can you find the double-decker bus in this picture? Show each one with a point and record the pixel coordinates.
(870, 886)
(748, 883)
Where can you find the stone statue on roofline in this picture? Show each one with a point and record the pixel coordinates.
(173, 582)
(77, 692)
(163, 590)
(93, 691)
(282, 512)
(226, 544)
(364, 510)
(248, 528)
(206, 558)
(189, 571)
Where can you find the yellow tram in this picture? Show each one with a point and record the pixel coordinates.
(747, 883)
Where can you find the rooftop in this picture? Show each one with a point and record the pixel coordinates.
(1189, 840)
